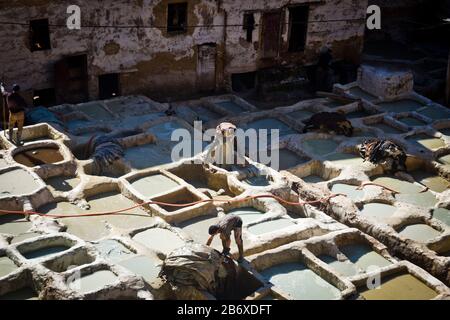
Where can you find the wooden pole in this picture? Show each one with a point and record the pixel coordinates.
(447, 84)
(3, 105)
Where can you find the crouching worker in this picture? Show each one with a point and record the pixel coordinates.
(16, 106)
(224, 227)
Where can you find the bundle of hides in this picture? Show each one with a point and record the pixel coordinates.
(385, 152)
(199, 266)
(107, 148)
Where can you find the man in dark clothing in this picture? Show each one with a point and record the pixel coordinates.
(224, 227)
(16, 106)
(323, 71)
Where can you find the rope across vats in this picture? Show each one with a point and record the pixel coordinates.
(182, 205)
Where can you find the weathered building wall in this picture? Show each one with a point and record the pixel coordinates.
(151, 61)
(344, 37)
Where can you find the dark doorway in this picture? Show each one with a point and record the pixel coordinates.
(298, 23)
(71, 79)
(271, 34)
(206, 67)
(177, 17)
(39, 35)
(109, 85)
(249, 26)
(243, 81)
(44, 97)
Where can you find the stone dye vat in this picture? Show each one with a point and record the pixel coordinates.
(408, 192)
(77, 124)
(231, 106)
(301, 114)
(44, 248)
(351, 191)
(62, 183)
(428, 142)
(345, 159)
(360, 113)
(195, 175)
(143, 266)
(154, 184)
(21, 294)
(363, 257)
(419, 232)
(330, 103)
(17, 182)
(360, 93)
(319, 147)
(180, 197)
(445, 159)
(386, 128)
(364, 133)
(95, 111)
(378, 211)
(412, 122)
(399, 106)
(442, 215)
(39, 156)
(7, 266)
(94, 281)
(344, 268)
(269, 124)
(270, 226)
(399, 287)
(45, 251)
(113, 250)
(425, 199)
(360, 259)
(289, 159)
(163, 131)
(68, 262)
(159, 239)
(397, 184)
(14, 224)
(247, 214)
(93, 228)
(205, 114)
(435, 113)
(148, 155)
(434, 182)
(300, 282)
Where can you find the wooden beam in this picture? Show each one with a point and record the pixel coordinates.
(447, 84)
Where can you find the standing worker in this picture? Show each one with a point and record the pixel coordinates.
(224, 227)
(16, 106)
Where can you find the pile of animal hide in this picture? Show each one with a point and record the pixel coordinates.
(106, 149)
(200, 266)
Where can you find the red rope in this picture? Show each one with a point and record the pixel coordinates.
(59, 216)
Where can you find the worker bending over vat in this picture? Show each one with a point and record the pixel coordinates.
(224, 228)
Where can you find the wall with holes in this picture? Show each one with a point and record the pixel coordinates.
(344, 37)
(155, 62)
